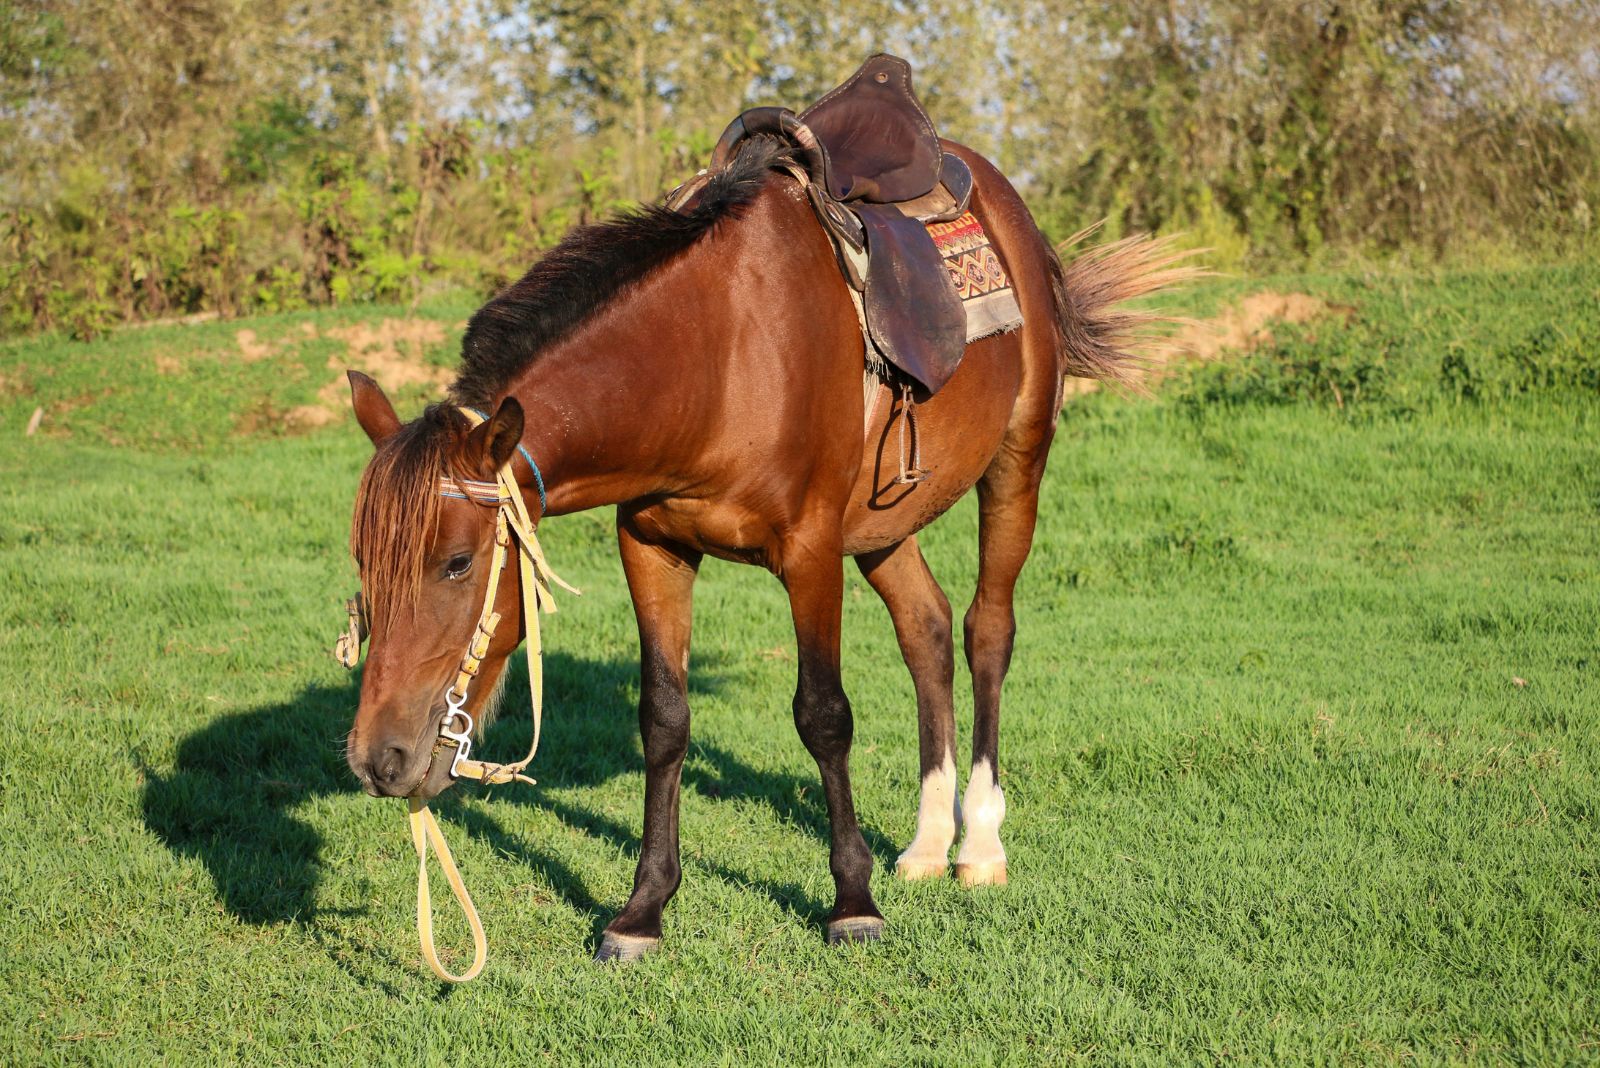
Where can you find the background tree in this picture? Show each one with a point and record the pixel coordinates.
(160, 158)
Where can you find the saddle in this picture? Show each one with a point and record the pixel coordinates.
(876, 175)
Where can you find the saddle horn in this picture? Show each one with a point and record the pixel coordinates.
(773, 122)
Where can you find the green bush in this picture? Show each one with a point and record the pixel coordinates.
(1343, 368)
(1549, 357)
(296, 225)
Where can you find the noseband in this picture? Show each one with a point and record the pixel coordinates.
(511, 522)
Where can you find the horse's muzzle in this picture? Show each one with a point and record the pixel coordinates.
(396, 766)
(388, 771)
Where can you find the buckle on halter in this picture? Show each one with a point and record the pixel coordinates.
(462, 737)
(347, 650)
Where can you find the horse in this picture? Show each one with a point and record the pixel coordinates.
(701, 370)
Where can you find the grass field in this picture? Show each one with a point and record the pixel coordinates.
(1299, 742)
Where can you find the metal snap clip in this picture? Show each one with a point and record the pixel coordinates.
(463, 737)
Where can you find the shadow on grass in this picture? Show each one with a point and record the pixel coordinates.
(230, 798)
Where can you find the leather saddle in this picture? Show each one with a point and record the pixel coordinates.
(876, 174)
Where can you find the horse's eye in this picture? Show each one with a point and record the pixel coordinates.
(459, 565)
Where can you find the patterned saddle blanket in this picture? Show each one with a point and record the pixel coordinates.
(979, 278)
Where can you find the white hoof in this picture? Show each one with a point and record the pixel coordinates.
(911, 869)
(984, 873)
(982, 859)
(938, 820)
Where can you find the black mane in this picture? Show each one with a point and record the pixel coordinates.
(591, 266)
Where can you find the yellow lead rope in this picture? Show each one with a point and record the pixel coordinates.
(425, 830)
(512, 523)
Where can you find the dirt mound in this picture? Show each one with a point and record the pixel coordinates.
(1241, 328)
(1244, 326)
(393, 351)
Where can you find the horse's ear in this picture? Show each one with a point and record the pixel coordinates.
(373, 410)
(492, 442)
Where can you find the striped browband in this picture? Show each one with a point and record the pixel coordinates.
(463, 489)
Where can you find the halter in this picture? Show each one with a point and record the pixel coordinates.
(511, 521)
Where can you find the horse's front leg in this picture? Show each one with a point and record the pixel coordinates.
(814, 577)
(661, 582)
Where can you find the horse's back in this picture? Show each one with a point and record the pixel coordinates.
(1004, 393)
(788, 433)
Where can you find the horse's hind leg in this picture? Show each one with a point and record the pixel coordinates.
(921, 616)
(1008, 506)
(661, 581)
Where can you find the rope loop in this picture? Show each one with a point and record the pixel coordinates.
(424, 833)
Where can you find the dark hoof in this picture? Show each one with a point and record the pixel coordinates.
(855, 929)
(623, 948)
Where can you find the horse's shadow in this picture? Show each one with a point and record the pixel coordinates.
(229, 800)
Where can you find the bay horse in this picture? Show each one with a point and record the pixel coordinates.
(702, 371)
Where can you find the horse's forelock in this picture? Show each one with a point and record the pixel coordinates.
(397, 512)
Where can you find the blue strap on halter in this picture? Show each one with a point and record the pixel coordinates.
(538, 479)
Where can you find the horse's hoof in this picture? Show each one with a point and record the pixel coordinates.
(912, 870)
(984, 873)
(855, 929)
(623, 948)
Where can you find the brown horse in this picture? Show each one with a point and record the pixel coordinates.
(702, 371)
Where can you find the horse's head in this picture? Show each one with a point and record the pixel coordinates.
(425, 560)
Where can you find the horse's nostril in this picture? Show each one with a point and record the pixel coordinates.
(388, 765)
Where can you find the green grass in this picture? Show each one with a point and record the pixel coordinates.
(1299, 740)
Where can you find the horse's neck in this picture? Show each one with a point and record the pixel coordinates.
(611, 411)
(652, 395)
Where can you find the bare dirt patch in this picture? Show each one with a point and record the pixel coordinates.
(393, 351)
(309, 417)
(1241, 328)
(252, 348)
(1246, 325)
(248, 347)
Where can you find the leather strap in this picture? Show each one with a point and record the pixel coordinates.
(425, 832)
(512, 523)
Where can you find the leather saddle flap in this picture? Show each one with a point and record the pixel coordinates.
(881, 145)
(912, 311)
